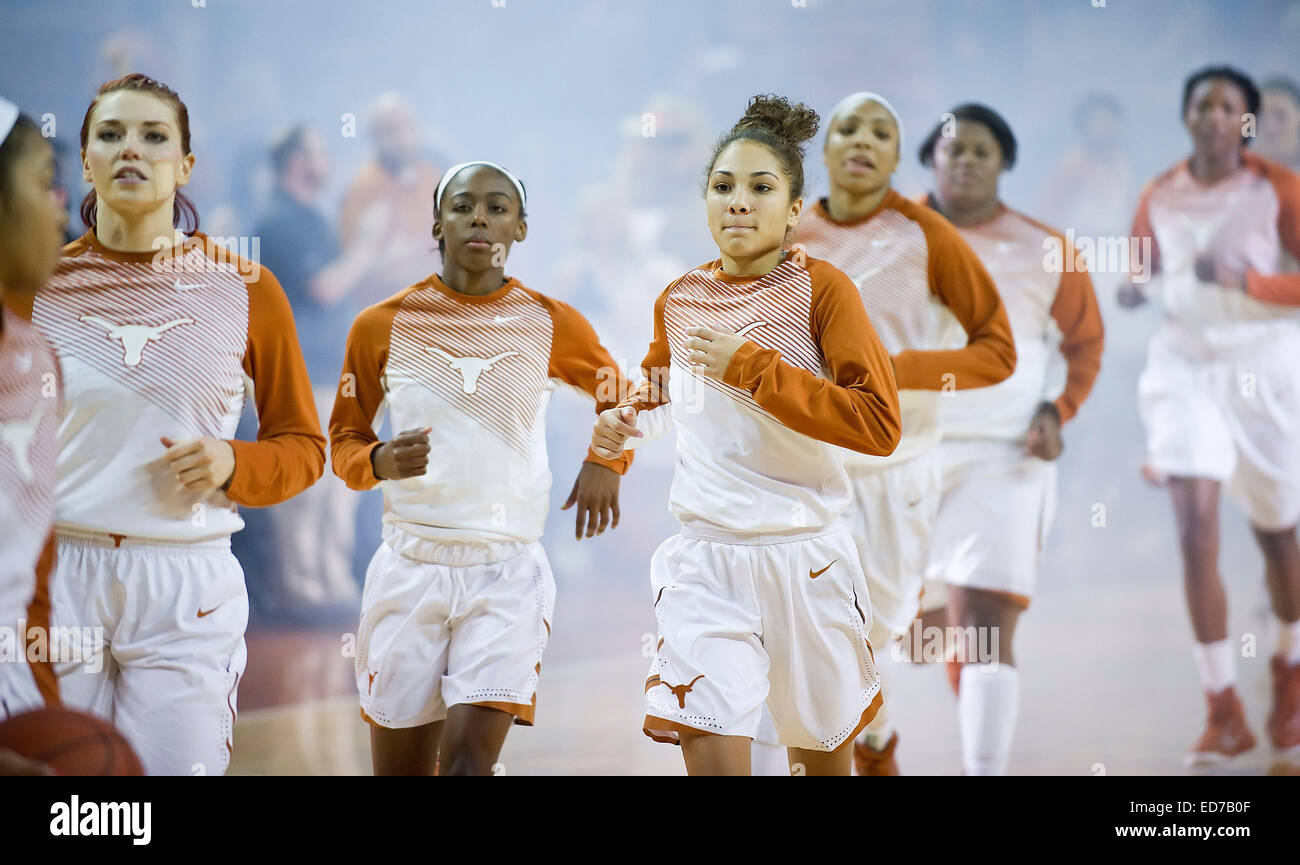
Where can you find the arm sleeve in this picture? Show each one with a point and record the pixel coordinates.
(1143, 231)
(1282, 288)
(360, 396)
(652, 391)
(579, 359)
(959, 280)
(1077, 315)
(858, 407)
(289, 454)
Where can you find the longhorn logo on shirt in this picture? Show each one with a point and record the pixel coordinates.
(470, 368)
(680, 691)
(134, 337)
(18, 435)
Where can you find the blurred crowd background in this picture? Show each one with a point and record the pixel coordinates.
(321, 128)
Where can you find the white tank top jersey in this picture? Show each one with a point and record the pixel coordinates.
(157, 345)
(1250, 220)
(762, 451)
(30, 407)
(1055, 321)
(914, 273)
(479, 371)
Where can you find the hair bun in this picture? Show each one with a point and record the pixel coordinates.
(796, 123)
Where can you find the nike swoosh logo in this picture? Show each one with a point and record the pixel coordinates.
(203, 613)
(812, 575)
(501, 319)
(180, 286)
(870, 273)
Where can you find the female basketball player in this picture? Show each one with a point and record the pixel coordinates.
(156, 331)
(1000, 442)
(31, 232)
(914, 273)
(1220, 396)
(761, 599)
(458, 598)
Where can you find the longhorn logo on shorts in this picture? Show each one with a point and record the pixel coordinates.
(18, 435)
(680, 691)
(470, 368)
(370, 687)
(134, 337)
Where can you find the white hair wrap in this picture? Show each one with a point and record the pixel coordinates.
(456, 169)
(8, 117)
(868, 96)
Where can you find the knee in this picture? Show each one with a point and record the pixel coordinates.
(465, 763)
(1276, 543)
(1198, 534)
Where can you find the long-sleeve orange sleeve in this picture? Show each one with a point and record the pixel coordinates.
(289, 454)
(360, 394)
(960, 281)
(1281, 288)
(579, 359)
(652, 391)
(858, 408)
(1078, 316)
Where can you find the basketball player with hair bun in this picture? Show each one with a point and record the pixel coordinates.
(768, 366)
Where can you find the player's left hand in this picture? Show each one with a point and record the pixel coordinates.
(1044, 439)
(596, 494)
(1211, 269)
(200, 464)
(709, 351)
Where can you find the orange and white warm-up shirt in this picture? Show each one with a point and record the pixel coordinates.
(159, 344)
(1249, 220)
(1054, 316)
(912, 269)
(762, 451)
(30, 407)
(479, 372)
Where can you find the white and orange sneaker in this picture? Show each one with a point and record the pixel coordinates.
(1226, 732)
(1284, 720)
(868, 761)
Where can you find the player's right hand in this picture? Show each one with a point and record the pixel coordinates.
(406, 456)
(614, 426)
(1131, 296)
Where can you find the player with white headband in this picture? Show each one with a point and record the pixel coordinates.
(915, 274)
(458, 599)
(31, 232)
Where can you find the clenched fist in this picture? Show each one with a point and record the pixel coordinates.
(406, 456)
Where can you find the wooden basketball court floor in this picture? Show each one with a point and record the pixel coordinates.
(1108, 687)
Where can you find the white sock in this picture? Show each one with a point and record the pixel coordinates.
(1217, 664)
(1288, 641)
(987, 705)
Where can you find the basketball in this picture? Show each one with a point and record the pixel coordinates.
(70, 742)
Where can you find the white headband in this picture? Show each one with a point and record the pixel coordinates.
(8, 117)
(455, 169)
(868, 96)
